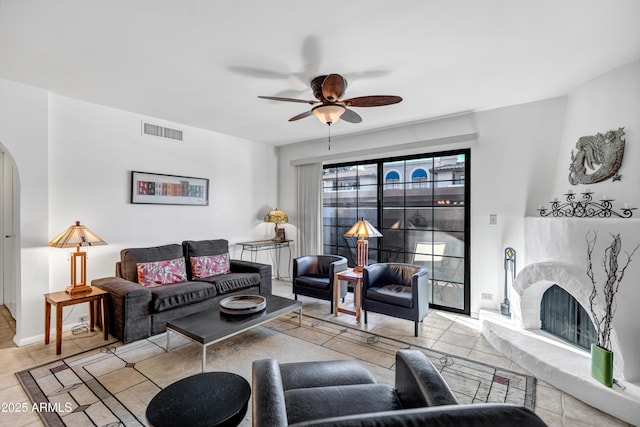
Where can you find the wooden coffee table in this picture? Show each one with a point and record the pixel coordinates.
(211, 326)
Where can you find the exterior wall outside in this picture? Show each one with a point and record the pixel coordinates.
(367, 174)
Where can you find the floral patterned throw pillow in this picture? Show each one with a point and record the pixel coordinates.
(152, 274)
(212, 265)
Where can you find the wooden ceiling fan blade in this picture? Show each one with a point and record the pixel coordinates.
(333, 87)
(372, 101)
(300, 116)
(350, 116)
(278, 98)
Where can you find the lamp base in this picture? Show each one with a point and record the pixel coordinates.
(77, 289)
(362, 255)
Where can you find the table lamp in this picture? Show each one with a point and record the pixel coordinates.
(277, 217)
(73, 237)
(362, 229)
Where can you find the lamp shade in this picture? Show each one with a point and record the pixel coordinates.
(276, 216)
(75, 236)
(328, 113)
(363, 228)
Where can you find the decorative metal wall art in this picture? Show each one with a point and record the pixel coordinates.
(600, 153)
(585, 208)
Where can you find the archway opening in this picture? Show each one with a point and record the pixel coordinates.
(9, 242)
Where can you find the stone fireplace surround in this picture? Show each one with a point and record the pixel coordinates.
(555, 251)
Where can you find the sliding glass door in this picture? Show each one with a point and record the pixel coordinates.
(419, 204)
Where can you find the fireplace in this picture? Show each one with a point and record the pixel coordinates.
(535, 280)
(563, 316)
(554, 258)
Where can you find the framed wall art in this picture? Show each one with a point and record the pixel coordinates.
(160, 189)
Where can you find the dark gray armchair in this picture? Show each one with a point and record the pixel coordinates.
(345, 393)
(396, 289)
(313, 276)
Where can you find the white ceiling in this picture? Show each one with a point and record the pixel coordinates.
(203, 62)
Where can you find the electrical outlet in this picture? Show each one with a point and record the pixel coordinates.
(493, 219)
(487, 297)
(83, 319)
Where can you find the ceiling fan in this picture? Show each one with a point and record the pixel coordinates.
(329, 107)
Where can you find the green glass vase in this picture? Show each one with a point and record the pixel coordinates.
(602, 365)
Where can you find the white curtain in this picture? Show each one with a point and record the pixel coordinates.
(309, 208)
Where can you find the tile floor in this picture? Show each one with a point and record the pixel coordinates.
(441, 331)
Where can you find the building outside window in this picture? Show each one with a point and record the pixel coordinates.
(419, 179)
(392, 180)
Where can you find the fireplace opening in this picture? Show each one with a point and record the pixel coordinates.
(563, 316)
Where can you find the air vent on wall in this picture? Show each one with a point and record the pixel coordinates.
(161, 131)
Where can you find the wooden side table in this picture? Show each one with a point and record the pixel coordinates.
(348, 275)
(98, 304)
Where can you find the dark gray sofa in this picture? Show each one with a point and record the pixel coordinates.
(344, 393)
(137, 312)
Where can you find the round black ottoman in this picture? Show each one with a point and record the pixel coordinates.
(207, 399)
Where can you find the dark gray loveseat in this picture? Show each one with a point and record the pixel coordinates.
(344, 393)
(137, 312)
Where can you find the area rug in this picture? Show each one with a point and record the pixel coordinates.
(112, 386)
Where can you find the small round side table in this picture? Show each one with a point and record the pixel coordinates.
(207, 399)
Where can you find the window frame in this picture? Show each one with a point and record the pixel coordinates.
(377, 246)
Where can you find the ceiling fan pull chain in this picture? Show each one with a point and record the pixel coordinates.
(329, 124)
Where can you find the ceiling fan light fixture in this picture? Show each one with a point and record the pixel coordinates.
(328, 113)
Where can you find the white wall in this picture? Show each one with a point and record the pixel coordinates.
(510, 169)
(74, 161)
(521, 160)
(23, 133)
(512, 162)
(608, 102)
(94, 148)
